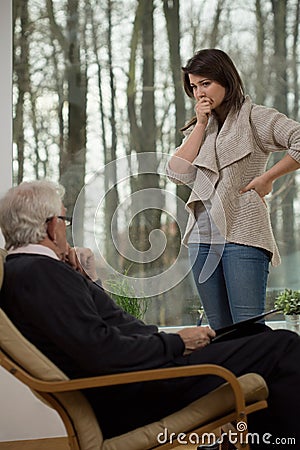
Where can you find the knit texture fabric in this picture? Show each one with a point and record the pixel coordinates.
(227, 161)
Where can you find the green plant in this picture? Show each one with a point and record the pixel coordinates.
(288, 301)
(124, 295)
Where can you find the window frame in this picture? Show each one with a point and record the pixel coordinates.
(6, 95)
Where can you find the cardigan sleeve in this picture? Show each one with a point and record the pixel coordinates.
(182, 178)
(276, 131)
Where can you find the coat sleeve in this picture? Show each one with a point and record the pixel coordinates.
(111, 312)
(66, 321)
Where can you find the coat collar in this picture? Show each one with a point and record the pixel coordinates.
(36, 249)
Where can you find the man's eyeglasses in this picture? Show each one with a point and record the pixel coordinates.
(67, 220)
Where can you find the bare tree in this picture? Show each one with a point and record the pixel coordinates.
(142, 117)
(295, 61)
(111, 198)
(279, 8)
(172, 15)
(282, 203)
(21, 68)
(214, 35)
(73, 156)
(260, 84)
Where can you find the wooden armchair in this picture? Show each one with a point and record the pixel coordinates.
(229, 403)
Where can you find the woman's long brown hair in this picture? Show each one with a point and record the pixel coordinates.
(217, 66)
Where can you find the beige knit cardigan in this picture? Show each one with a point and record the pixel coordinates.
(227, 161)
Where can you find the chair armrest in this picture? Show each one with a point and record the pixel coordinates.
(144, 375)
(126, 378)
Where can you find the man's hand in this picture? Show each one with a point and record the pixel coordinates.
(82, 260)
(196, 337)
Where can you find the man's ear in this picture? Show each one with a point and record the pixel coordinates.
(51, 228)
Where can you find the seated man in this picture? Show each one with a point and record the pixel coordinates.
(78, 326)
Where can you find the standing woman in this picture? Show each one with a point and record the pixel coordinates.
(223, 159)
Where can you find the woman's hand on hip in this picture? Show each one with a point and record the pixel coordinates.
(262, 185)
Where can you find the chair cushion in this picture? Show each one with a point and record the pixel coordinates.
(204, 410)
(38, 365)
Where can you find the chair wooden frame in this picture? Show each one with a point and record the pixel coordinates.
(47, 389)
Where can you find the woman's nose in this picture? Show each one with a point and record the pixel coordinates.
(200, 93)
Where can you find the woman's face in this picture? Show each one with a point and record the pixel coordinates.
(205, 87)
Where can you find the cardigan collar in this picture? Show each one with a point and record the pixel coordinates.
(232, 143)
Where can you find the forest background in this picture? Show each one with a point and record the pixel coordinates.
(97, 90)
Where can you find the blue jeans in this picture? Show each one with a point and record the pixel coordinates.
(231, 280)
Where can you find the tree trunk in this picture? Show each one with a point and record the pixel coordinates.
(21, 68)
(214, 35)
(295, 63)
(260, 86)
(111, 188)
(73, 159)
(135, 131)
(171, 12)
(284, 201)
(143, 136)
(150, 218)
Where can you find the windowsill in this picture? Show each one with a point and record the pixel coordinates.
(274, 324)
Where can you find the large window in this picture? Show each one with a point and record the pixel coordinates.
(98, 103)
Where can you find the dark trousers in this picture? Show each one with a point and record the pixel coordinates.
(273, 354)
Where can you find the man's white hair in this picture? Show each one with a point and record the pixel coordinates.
(24, 210)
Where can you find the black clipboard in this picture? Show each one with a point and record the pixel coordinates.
(220, 332)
